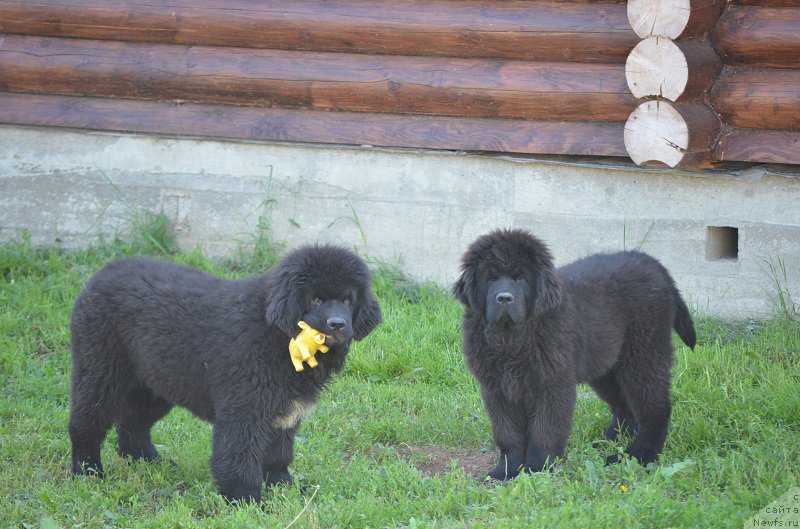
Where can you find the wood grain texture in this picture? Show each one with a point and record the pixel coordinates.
(759, 36)
(671, 133)
(661, 67)
(673, 18)
(768, 3)
(547, 30)
(762, 146)
(247, 123)
(758, 98)
(316, 81)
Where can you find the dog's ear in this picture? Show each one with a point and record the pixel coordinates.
(460, 288)
(284, 306)
(548, 295)
(465, 290)
(367, 316)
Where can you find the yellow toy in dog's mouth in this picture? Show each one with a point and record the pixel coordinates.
(305, 345)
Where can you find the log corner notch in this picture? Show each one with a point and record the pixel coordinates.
(660, 71)
(680, 134)
(673, 19)
(660, 67)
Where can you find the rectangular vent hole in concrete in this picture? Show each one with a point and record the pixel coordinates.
(722, 243)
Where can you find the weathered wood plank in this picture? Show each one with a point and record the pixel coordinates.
(547, 30)
(248, 123)
(762, 146)
(758, 98)
(759, 36)
(316, 81)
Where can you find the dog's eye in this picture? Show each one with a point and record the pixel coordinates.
(520, 280)
(316, 302)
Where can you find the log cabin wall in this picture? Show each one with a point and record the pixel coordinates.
(757, 94)
(511, 76)
(538, 76)
(720, 82)
(549, 77)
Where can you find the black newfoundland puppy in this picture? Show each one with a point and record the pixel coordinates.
(149, 335)
(532, 332)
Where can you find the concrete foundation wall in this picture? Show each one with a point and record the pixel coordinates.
(418, 210)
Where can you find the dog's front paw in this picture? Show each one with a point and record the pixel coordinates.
(504, 470)
(538, 465)
(643, 452)
(88, 468)
(236, 491)
(278, 477)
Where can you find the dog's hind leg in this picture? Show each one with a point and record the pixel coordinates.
(622, 420)
(140, 411)
(94, 399)
(90, 419)
(647, 390)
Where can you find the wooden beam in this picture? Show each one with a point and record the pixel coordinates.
(768, 3)
(672, 134)
(547, 30)
(660, 67)
(673, 18)
(316, 81)
(761, 146)
(758, 99)
(248, 123)
(759, 36)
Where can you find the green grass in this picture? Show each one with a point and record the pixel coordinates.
(734, 442)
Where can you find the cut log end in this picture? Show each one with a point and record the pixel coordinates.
(657, 67)
(658, 131)
(673, 18)
(665, 18)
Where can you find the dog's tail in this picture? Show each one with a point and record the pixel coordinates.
(683, 323)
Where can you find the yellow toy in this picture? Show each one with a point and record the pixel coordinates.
(305, 345)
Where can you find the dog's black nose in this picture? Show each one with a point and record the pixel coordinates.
(336, 324)
(505, 298)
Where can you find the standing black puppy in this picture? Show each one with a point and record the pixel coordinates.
(149, 335)
(531, 333)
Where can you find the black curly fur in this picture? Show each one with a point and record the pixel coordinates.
(532, 332)
(149, 335)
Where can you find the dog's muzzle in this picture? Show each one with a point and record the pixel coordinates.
(505, 302)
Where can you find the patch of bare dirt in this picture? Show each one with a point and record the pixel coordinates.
(433, 460)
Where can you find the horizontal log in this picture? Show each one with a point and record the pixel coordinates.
(247, 123)
(768, 3)
(660, 67)
(672, 134)
(673, 18)
(758, 99)
(316, 81)
(759, 36)
(761, 146)
(546, 30)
